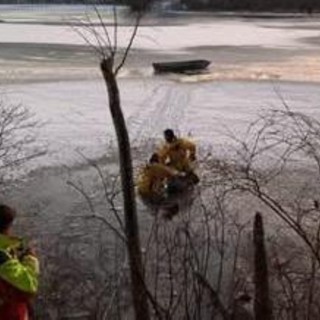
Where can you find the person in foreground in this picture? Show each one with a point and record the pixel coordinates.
(19, 271)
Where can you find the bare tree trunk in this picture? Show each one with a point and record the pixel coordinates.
(130, 211)
(262, 302)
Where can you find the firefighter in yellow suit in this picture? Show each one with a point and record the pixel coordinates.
(177, 153)
(152, 179)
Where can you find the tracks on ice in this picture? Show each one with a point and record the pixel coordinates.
(164, 107)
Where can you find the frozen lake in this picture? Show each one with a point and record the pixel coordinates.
(257, 64)
(77, 117)
(46, 66)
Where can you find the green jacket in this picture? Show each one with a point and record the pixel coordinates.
(22, 274)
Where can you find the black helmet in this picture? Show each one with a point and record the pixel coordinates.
(154, 158)
(7, 216)
(169, 134)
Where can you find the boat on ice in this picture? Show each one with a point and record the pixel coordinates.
(187, 66)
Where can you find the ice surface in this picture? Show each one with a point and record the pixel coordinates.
(75, 113)
(217, 32)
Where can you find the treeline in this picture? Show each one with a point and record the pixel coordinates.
(254, 5)
(136, 5)
(56, 1)
(225, 5)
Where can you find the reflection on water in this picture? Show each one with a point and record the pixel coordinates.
(157, 34)
(47, 13)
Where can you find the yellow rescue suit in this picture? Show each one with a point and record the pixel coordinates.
(178, 154)
(152, 179)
